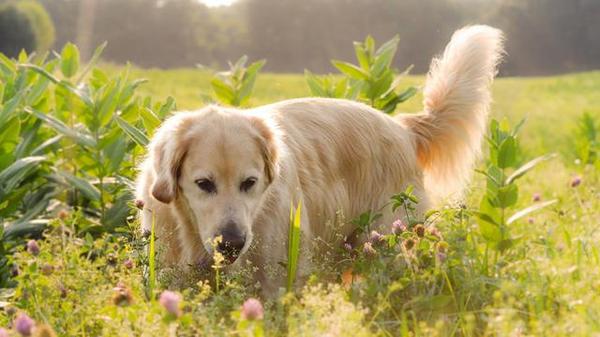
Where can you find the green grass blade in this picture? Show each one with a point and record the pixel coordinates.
(293, 245)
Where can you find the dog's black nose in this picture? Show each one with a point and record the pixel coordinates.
(232, 243)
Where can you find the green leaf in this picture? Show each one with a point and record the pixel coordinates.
(249, 79)
(93, 61)
(489, 229)
(69, 60)
(507, 154)
(350, 70)
(167, 107)
(527, 167)
(134, 133)
(362, 56)
(59, 126)
(314, 84)
(87, 189)
(507, 196)
(149, 119)
(223, 91)
(384, 56)
(12, 176)
(78, 93)
(529, 210)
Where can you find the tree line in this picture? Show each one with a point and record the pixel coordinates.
(543, 36)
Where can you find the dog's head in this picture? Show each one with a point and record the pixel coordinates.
(219, 163)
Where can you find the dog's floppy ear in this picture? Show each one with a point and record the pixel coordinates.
(168, 151)
(268, 146)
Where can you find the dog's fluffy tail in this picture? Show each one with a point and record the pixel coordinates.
(449, 132)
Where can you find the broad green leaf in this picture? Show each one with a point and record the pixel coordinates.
(135, 134)
(223, 91)
(11, 176)
(507, 196)
(350, 70)
(167, 107)
(69, 60)
(384, 56)
(108, 103)
(489, 229)
(507, 154)
(529, 210)
(406, 94)
(249, 79)
(78, 93)
(528, 166)
(87, 189)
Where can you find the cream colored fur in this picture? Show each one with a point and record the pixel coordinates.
(339, 158)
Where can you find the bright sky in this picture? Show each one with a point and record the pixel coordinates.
(215, 3)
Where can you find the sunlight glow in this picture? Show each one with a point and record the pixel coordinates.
(217, 3)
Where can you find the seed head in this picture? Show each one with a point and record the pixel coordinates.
(23, 324)
(576, 181)
(111, 259)
(419, 230)
(398, 227)
(33, 247)
(536, 197)
(170, 301)
(122, 295)
(252, 310)
(409, 244)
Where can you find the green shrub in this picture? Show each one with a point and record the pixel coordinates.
(25, 25)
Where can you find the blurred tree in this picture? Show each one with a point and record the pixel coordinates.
(25, 25)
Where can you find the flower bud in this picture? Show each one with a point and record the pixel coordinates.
(139, 203)
(536, 197)
(252, 310)
(376, 238)
(128, 264)
(23, 324)
(398, 227)
(419, 230)
(32, 247)
(368, 249)
(170, 301)
(576, 181)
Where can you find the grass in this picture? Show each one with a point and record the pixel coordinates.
(548, 284)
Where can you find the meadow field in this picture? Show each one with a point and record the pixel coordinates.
(542, 279)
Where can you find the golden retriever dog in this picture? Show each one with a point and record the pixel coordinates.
(233, 174)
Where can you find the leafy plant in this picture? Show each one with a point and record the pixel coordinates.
(495, 211)
(233, 87)
(373, 80)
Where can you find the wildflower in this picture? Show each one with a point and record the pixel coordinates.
(111, 259)
(170, 301)
(139, 203)
(23, 324)
(576, 181)
(3, 332)
(47, 269)
(376, 238)
(44, 330)
(536, 197)
(347, 246)
(32, 247)
(409, 244)
(62, 214)
(530, 221)
(368, 249)
(122, 295)
(419, 230)
(252, 310)
(398, 227)
(435, 232)
(128, 264)
(441, 256)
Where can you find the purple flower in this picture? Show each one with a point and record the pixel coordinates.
(441, 256)
(536, 197)
(252, 309)
(368, 249)
(32, 247)
(23, 324)
(347, 246)
(398, 227)
(170, 301)
(375, 237)
(139, 203)
(128, 263)
(576, 181)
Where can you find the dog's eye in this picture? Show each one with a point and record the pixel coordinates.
(247, 184)
(206, 185)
